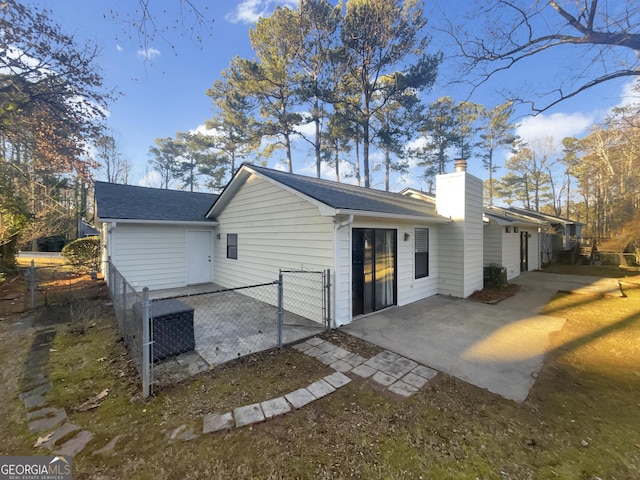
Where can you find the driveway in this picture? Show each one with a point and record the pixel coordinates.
(497, 347)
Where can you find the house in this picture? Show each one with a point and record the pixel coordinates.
(383, 249)
(561, 234)
(512, 240)
(156, 238)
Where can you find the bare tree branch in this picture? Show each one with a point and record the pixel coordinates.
(516, 30)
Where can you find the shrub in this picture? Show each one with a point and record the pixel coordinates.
(83, 252)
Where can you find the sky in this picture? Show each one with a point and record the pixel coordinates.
(163, 82)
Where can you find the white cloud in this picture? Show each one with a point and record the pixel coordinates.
(249, 11)
(148, 53)
(556, 126)
(119, 48)
(629, 94)
(203, 130)
(151, 179)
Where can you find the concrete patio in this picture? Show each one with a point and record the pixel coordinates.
(497, 347)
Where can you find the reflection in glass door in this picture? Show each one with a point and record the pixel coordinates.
(373, 269)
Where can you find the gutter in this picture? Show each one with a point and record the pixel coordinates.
(195, 223)
(397, 216)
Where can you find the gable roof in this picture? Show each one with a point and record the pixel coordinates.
(543, 216)
(340, 198)
(128, 202)
(503, 216)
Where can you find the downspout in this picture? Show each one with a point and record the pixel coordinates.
(336, 269)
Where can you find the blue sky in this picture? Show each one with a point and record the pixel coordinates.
(164, 88)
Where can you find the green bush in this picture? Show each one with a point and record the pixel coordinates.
(83, 252)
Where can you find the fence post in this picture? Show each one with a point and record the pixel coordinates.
(32, 284)
(110, 275)
(328, 294)
(146, 344)
(124, 301)
(280, 309)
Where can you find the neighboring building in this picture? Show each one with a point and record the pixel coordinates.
(512, 241)
(383, 249)
(85, 229)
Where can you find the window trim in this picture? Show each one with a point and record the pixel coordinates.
(416, 252)
(232, 248)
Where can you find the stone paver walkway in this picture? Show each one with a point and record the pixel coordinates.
(51, 422)
(396, 373)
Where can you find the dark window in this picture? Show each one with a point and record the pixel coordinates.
(507, 229)
(232, 245)
(421, 239)
(515, 229)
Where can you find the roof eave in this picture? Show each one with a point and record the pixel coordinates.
(199, 223)
(396, 216)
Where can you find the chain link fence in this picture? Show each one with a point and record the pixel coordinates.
(46, 285)
(170, 334)
(133, 322)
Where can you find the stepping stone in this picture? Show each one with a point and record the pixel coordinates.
(76, 444)
(341, 366)
(326, 346)
(34, 401)
(59, 433)
(320, 389)
(248, 414)
(48, 423)
(314, 351)
(314, 341)
(425, 372)
(388, 356)
(109, 447)
(302, 347)
(43, 412)
(364, 371)
(337, 380)
(36, 391)
(274, 407)
(403, 389)
(214, 422)
(299, 398)
(383, 379)
(339, 353)
(327, 358)
(35, 380)
(188, 435)
(414, 380)
(354, 359)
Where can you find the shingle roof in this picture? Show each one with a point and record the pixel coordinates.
(542, 216)
(350, 197)
(115, 201)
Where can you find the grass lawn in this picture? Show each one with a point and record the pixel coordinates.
(580, 421)
(610, 271)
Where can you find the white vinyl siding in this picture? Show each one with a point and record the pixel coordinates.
(459, 196)
(151, 256)
(276, 230)
(492, 244)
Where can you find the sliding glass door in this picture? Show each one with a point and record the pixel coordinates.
(373, 269)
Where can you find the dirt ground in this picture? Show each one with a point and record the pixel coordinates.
(579, 422)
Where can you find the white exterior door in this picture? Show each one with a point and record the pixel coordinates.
(199, 257)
